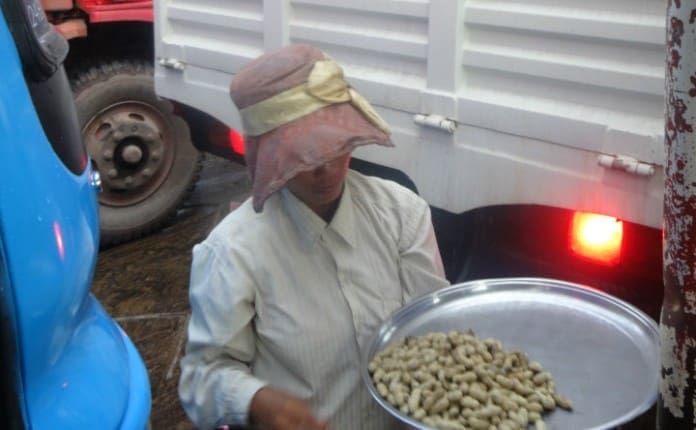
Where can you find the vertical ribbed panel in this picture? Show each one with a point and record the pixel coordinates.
(594, 62)
(232, 30)
(539, 89)
(383, 42)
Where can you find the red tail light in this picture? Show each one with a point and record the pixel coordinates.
(596, 237)
(237, 142)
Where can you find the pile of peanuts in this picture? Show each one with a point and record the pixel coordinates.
(456, 381)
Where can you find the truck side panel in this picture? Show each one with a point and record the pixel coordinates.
(538, 89)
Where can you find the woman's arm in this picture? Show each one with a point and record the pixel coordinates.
(216, 386)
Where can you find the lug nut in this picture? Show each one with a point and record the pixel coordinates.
(128, 181)
(108, 154)
(147, 173)
(112, 173)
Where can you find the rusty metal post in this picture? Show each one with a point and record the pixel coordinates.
(677, 401)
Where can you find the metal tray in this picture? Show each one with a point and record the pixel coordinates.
(603, 353)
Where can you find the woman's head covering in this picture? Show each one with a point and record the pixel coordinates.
(298, 113)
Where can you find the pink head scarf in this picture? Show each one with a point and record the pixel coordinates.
(279, 151)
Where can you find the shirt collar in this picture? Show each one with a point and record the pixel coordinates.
(312, 226)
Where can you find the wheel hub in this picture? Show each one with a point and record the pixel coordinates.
(126, 143)
(132, 154)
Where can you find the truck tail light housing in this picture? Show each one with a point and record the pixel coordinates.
(596, 237)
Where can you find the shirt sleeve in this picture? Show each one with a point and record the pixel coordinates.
(216, 385)
(420, 265)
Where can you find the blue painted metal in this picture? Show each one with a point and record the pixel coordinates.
(79, 369)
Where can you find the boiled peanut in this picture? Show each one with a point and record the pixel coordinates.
(541, 378)
(563, 401)
(469, 402)
(478, 423)
(456, 380)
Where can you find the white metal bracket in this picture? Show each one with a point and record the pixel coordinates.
(627, 164)
(435, 121)
(172, 63)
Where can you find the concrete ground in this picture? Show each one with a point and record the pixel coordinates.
(144, 284)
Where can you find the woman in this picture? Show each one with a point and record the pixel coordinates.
(287, 290)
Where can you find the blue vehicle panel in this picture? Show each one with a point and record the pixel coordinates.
(77, 368)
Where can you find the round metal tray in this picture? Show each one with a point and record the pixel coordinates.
(603, 353)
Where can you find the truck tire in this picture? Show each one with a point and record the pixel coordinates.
(142, 150)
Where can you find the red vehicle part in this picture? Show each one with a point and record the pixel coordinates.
(678, 320)
(71, 18)
(114, 10)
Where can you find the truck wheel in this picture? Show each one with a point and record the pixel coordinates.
(142, 150)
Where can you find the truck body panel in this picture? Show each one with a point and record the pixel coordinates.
(537, 91)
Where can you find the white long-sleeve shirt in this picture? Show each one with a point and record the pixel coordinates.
(280, 298)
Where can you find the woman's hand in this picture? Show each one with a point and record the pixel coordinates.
(274, 410)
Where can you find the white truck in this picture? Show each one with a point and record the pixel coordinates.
(518, 121)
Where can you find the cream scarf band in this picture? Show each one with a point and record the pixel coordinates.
(325, 86)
